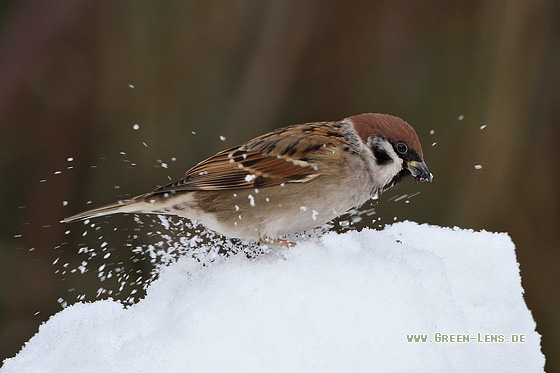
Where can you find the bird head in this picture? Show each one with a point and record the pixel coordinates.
(395, 147)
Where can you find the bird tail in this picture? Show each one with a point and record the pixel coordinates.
(135, 205)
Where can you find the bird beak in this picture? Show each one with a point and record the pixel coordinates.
(419, 170)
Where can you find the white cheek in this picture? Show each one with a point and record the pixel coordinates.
(383, 174)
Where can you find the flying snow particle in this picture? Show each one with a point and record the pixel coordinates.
(251, 200)
(477, 166)
(64, 203)
(356, 219)
(483, 126)
(400, 198)
(70, 159)
(136, 126)
(314, 215)
(461, 117)
(131, 86)
(250, 178)
(222, 138)
(432, 132)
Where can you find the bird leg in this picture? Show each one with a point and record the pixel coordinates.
(280, 243)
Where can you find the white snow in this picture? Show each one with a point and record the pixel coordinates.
(343, 303)
(251, 200)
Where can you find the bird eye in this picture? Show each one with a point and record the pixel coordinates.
(402, 148)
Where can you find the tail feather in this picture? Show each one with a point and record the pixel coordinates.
(127, 206)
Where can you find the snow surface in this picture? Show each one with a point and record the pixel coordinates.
(344, 303)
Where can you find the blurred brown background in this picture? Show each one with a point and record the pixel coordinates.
(76, 75)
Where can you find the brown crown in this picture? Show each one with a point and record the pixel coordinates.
(392, 128)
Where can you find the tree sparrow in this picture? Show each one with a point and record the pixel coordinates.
(289, 180)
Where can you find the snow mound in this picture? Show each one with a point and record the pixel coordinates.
(358, 301)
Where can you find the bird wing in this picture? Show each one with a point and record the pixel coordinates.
(289, 154)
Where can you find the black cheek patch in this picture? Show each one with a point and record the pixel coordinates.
(381, 156)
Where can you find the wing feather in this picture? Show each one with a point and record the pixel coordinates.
(289, 154)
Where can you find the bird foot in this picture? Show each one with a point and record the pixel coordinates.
(281, 243)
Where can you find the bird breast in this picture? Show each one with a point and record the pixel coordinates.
(291, 207)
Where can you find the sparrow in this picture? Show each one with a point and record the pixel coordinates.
(289, 180)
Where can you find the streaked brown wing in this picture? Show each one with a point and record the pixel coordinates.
(285, 155)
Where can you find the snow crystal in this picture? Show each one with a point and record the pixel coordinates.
(357, 301)
(251, 200)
